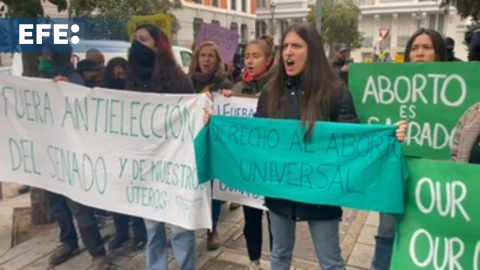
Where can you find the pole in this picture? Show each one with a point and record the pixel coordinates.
(271, 24)
(419, 19)
(318, 15)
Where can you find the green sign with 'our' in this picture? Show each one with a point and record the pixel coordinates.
(440, 227)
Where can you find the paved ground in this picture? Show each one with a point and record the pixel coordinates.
(357, 239)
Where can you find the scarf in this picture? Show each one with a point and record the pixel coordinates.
(142, 61)
(203, 82)
(248, 85)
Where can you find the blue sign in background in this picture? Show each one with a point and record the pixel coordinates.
(88, 29)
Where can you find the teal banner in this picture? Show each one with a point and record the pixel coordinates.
(349, 165)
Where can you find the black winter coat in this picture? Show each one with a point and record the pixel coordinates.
(343, 112)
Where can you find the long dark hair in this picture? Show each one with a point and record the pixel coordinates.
(167, 77)
(437, 41)
(319, 81)
(108, 71)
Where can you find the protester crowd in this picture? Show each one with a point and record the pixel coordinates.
(300, 84)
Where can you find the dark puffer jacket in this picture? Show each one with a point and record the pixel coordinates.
(343, 112)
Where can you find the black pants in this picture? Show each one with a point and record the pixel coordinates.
(63, 209)
(121, 226)
(253, 231)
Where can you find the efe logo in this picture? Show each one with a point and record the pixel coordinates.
(60, 33)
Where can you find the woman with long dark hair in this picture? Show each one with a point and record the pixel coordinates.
(152, 68)
(425, 45)
(115, 73)
(306, 88)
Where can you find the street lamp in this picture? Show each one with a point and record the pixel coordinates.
(272, 14)
(419, 17)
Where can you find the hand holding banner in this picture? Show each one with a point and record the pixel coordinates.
(121, 151)
(350, 165)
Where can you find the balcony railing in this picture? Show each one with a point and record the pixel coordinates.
(379, 2)
(367, 42)
(395, 1)
(365, 2)
(402, 41)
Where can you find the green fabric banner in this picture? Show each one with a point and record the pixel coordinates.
(440, 228)
(350, 165)
(431, 96)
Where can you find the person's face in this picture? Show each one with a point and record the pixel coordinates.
(256, 62)
(119, 72)
(422, 49)
(91, 75)
(144, 37)
(97, 57)
(341, 55)
(295, 54)
(207, 59)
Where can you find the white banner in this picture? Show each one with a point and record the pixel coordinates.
(121, 151)
(224, 193)
(240, 106)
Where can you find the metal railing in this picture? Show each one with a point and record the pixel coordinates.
(376, 2)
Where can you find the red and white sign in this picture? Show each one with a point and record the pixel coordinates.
(384, 32)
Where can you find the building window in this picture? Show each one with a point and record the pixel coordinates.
(198, 1)
(216, 22)
(260, 28)
(244, 5)
(234, 27)
(215, 3)
(233, 4)
(404, 30)
(402, 40)
(367, 42)
(197, 23)
(244, 33)
(261, 4)
(437, 22)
